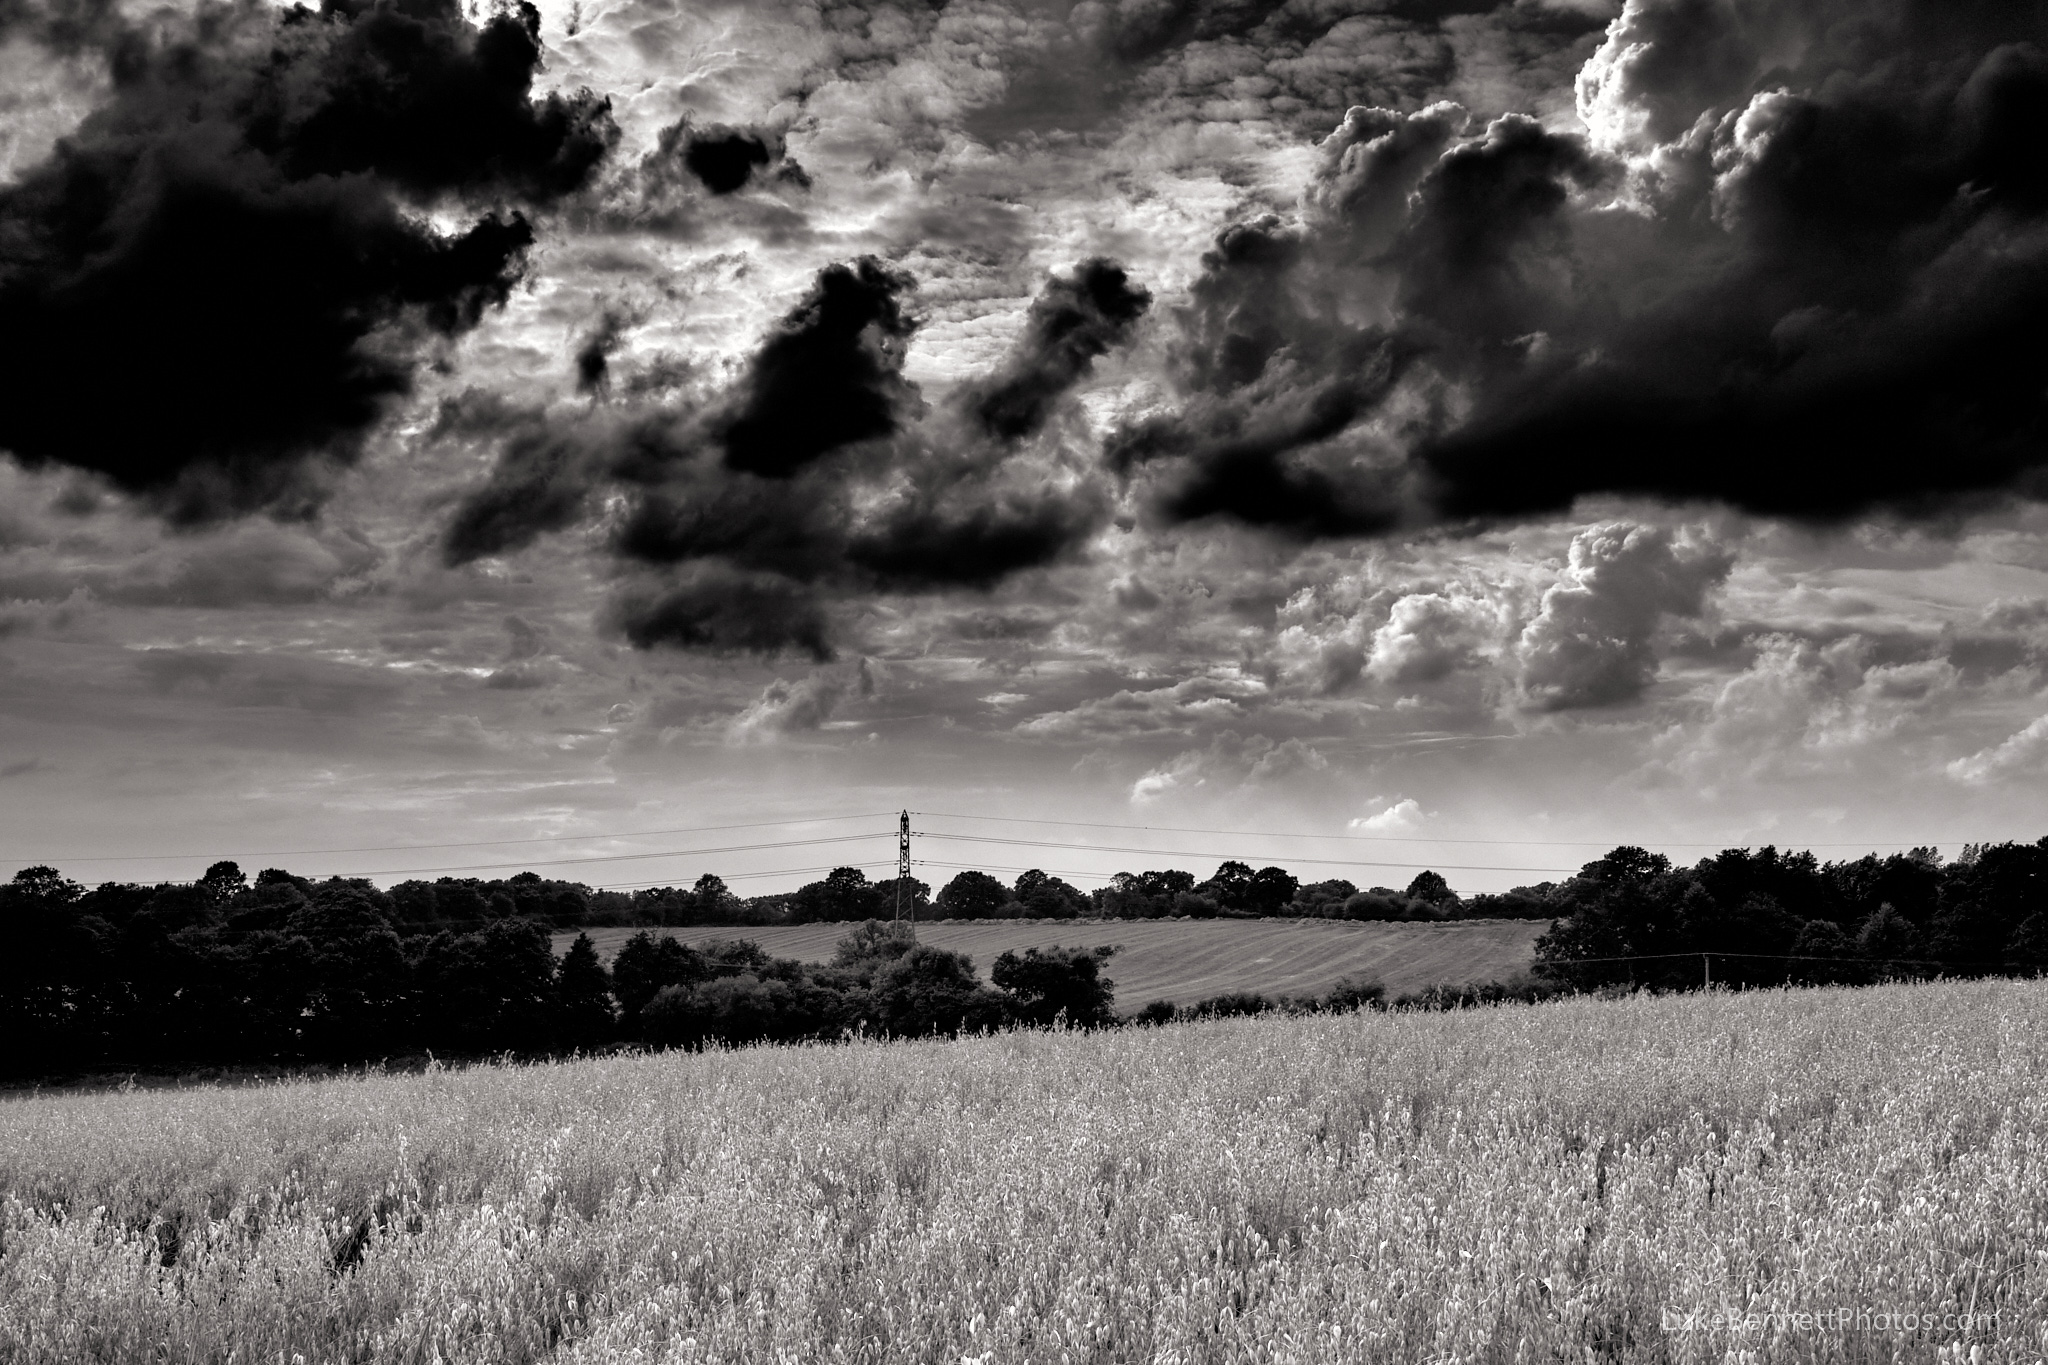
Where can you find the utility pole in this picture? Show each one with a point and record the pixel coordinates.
(1707, 970)
(903, 865)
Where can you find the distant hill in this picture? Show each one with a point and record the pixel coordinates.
(1188, 960)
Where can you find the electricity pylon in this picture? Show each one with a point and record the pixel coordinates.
(903, 865)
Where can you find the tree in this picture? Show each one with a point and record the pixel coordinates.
(1626, 864)
(931, 990)
(461, 903)
(223, 881)
(50, 974)
(2028, 951)
(1041, 895)
(341, 910)
(733, 956)
(1231, 887)
(844, 894)
(1045, 983)
(1375, 903)
(972, 895)
(1889, 941)
(1826, 954)
(873, 945)
(491, 991)
(1432, 888)
(583, 996)
(917, 897)
(713, 902)
(1273, 889)
(1144, 895)
(1323, 898)
(414, 903)
(360, 1005)
(645, 964)
(175, 907)
(44, 885)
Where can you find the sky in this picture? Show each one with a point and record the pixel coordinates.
(1354, 434)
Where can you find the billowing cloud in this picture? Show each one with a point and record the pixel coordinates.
(221, 277)
(2024, 753)
(1430, 635)
(1787, 269)
(1592, 642)
(1586, 634)
(1395, 817)
(1802, 710)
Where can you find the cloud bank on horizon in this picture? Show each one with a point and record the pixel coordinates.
(1146, 402)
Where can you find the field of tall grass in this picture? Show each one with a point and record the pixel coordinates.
(1583, 1180)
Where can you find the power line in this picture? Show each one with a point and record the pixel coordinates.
(742, 876)
(624, 857)
(995, 867)
(1204, 856)
(1423, 838)
(471, 843)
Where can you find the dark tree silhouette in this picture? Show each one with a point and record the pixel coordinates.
(583, 997)
(1045, 984)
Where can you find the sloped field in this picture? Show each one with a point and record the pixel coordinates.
(1187, 960)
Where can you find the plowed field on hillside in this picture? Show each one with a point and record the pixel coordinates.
(1187, 960)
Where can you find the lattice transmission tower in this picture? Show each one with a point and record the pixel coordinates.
(903, 865)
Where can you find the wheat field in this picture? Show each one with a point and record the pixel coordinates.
(1547, 1183)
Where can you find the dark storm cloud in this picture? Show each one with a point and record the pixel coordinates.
(830, 375)
(668, 189)
(1073, 323)
(214, 281)
(837, 478)
(977, 541)
(823, 474)
(1797, 266)
(594, 351)
(725, 158)
(716, 608)
(542, 480)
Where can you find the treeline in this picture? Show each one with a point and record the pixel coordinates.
(284, 972)
(221, 973)
(847, 896)
(227, 899)
(1234, 890)
(1765, 917)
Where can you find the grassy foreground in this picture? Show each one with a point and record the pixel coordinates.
(1188, 960)
(1524, 1183)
